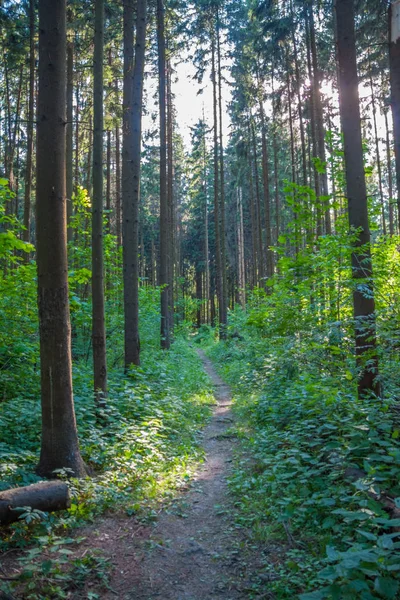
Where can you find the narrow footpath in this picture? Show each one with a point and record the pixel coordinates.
(194, 551)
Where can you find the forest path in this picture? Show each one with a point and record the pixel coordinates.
(193, 551)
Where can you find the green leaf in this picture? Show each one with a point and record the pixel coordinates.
(386, 587)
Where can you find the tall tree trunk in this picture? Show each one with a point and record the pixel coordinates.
(224, 297)
(170, 195)
(376, 139)
(275, 150)
(363, 296)
(206, 236)
(253, 219)
(217, 226)
(299, 102)
(258, 204)
(98, 318)
(108, 182)
(267, 199)
(29, 128)
(240, 238)
(118, 185)
(390, 175)
(77, 145)
(69, 132)
(319, 118)
(164, 213)
(394, 65)
(131, 155)
(59, 447)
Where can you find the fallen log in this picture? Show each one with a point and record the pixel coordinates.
(47, 496)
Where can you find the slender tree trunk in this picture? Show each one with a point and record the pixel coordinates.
(118, 185)
(131, 157)
(59, 448)
(319, 118)
(378, 158)
(299, 102)
(394, 65)
(77, 145)
(217, 225)
(206, 237)
(275, 150)
(170, 195)
(29, 128)
(267, 199)
(253, 220)
(240, 238)
(390, 175)
(98, 319)
(314, 133)
(108, 182)
(363, 296)
(69, 133)
(164, 213)
(258, 205)
(224, 297)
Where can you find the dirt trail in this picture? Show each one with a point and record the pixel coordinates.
(194, 551)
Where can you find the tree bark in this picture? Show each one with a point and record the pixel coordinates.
(224, 297)
(48, 496)
(98, 317)
(363, 297)
(132, 128)
(29, 129)
(394, 66)
(170, 195)
(69, 131)
(217, 227)
(59, 448)
(164, 213)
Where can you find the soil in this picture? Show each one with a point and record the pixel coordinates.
(194, 551)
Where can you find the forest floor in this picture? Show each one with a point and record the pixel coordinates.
(193, 551)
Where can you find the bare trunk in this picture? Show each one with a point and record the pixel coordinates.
(390, 176)
(164, 213)
(59, 447)
(224, 296)
(69, 131)
(98, 318)
(394, 64)
(363, 296)
(29, 129)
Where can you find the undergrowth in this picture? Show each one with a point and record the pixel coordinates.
(146, 451)
(315, 462)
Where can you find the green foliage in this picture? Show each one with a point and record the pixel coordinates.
(316, 459)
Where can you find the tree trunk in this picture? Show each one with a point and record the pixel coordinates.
(390, 176)
(118, 186)
(217, 227)
(164, 213)
(170, 195)
(98, 319)
(363, 297)
(132, 128)
(258, 205)
(69, 131)
(240, 238)
(224, 296)
(59, 447)
(394, 65)
(29, 128)
(267, 199)
(48, 496)
(376, 139)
